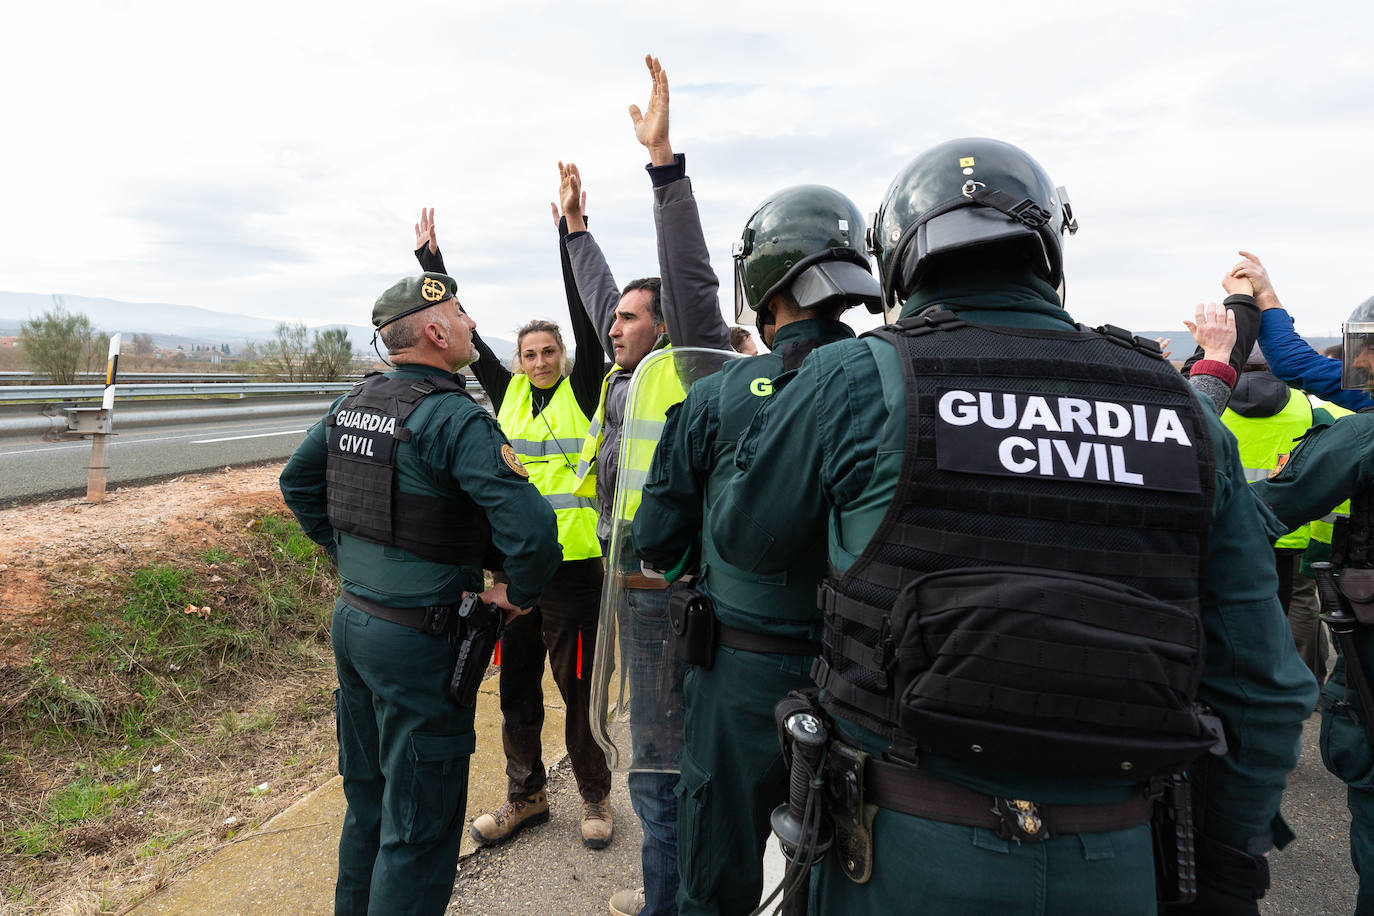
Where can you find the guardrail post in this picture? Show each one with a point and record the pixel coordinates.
(95, 480)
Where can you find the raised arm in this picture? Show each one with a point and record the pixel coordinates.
(595, 283)
(1291, 358)
(588, 364)
(1240, 300)
(487, 368)
(691, 302)
(1214, 329)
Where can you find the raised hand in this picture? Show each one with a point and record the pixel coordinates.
(556, 215)
(424, 231)
(651, 126)
(1251, 269)
(571, 197)
(1214, 328)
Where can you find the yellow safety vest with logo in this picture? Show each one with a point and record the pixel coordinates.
(1264, 441)
(637, 451)
(1321, 528)
(547, 445)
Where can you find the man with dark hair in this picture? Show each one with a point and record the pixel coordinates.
(408, 484)
(743, 341)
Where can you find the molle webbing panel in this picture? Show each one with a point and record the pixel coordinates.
(1075, 452)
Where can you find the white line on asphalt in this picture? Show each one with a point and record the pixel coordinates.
(285, 432)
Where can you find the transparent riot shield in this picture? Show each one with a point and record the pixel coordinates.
(637, 709)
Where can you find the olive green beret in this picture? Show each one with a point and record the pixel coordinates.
(412, 295)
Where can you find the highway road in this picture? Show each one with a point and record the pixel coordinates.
(31, 468)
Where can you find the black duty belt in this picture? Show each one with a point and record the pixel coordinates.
(436, 620)
(749, 641)
(918, 792)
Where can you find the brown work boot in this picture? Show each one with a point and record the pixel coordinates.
(627, 903)
(596, 822)
(509, 819)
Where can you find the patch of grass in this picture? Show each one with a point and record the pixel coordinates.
(49, 699)
(216, 555)
(30, 838)
(86, 798)
(160, 842)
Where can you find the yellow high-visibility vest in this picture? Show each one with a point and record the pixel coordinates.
(548, 445)
(638, 450)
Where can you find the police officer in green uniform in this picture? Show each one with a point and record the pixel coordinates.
(798, 265)
(408, 484)
(1331, 467)
(998, 724)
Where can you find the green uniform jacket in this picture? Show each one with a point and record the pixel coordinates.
(1332, 464)
(455, 445)
(838, 431)
(694, 462)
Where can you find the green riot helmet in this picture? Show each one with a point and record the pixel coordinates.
(808, 240)
(1357, 347)
(962, 195)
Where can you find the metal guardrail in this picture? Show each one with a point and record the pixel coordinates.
(126, 392)
(38, 378)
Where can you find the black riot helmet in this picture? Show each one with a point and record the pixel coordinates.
(1357, 347)
(966, 194)
(808, 240)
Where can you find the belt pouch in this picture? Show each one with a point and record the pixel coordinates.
(693, 619)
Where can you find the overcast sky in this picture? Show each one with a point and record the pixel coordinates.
(270, 158)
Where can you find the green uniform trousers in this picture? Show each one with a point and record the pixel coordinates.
(403, 753)
(1347, 754)
(942, 869)
(733, 777)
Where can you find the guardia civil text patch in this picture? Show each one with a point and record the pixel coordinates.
(1065, 437)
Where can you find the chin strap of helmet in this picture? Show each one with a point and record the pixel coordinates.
(1025, 211)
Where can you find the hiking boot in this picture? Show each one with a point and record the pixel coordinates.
(627, 903)
(596, 822)
(509, 819)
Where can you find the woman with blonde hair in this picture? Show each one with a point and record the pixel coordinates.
(544, 410)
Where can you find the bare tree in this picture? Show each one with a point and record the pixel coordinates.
(285, 354)
(330, 357)
(141, 345)
(58, 344)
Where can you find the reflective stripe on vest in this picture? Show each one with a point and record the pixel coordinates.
(1264, 440)
(547, 446)
(637, 452)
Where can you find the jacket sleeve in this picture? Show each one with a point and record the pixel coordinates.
(487, 369)
(302, 485)
(1294, 361)
(667, 526)
(588, 364)
(1253, 677)
(691, 304)
(468, 449)
(1329, 465)
(595, 285)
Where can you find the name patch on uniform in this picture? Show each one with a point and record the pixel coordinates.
(363, 435)
(1063, 437)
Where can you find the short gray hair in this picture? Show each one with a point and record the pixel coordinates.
(404, 333)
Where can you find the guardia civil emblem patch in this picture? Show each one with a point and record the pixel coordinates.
(433, 290)
(509, 455)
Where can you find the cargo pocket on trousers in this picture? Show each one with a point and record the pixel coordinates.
(695, 852)
(1345, 747)
(437, 783)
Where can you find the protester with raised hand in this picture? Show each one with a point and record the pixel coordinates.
(1291, 358)
(543, 409)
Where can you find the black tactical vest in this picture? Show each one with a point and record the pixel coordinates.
(1030, 599)
(364, 501)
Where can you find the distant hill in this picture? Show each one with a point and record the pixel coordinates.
(172, 325)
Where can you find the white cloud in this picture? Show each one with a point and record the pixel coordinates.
(269, 158)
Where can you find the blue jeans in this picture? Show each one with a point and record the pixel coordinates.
(656, 710)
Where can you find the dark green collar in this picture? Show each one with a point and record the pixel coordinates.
(824, 330)
(1015, 297)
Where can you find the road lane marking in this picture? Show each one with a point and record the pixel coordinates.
(285, 432)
